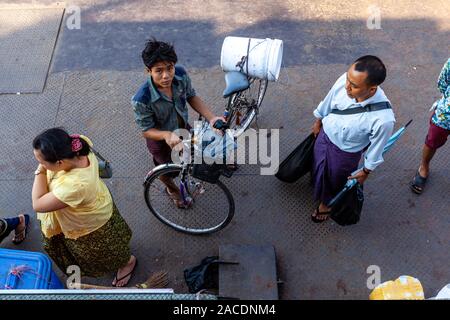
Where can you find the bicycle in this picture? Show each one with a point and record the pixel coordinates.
(245, 95)
(208, 204)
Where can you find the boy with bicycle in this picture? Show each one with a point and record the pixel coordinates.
(160, 106)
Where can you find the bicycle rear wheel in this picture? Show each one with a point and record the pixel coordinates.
(211, 211)
(243, 106)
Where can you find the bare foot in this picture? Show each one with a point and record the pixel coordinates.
(320, 216)
(177, 200)
(19, 235)
(124, 274)
(323, 213)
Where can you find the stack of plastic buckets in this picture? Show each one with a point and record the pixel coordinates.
(21, 270)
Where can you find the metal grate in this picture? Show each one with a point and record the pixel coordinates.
(114, 294)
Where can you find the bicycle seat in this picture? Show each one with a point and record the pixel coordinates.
(235, 82)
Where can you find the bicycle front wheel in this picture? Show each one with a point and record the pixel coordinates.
(244, 105)
(212, 206)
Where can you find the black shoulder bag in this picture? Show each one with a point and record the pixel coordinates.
(104, 166)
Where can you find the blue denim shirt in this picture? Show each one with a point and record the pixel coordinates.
(152, 109)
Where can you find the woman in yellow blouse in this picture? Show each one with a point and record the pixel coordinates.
(80, 223)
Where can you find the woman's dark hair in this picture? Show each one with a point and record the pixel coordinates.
(376, 71)
(56, 144)
(158, 51)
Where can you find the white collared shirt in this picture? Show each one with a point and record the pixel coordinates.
(352, 133)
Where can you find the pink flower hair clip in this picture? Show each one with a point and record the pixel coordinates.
(76, 142)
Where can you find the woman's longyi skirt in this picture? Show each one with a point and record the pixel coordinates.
(103, 251)
(332, 167)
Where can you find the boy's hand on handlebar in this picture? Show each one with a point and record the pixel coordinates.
(173, 141)
(213, 121)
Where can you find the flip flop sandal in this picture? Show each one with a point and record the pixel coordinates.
(131, 274)
(177, 201)
(418, 183)
(23, 234)
(315, 219)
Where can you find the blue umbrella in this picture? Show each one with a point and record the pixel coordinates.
(351, 183)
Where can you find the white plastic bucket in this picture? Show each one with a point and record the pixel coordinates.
(263, 61)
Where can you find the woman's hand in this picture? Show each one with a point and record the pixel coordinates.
(41, 169)
(42, 199)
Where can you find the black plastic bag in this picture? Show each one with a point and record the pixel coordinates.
(299, 162)
(347, 210)
(203, 276)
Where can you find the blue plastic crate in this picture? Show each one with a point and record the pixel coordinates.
(26, 270)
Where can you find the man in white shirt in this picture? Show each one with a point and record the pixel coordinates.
(342, 136)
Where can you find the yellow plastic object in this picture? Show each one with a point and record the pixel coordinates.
(403, 288)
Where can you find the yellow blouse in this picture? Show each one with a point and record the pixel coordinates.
(89, 201)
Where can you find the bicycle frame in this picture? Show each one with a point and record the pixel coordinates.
(230, 109)
(184, 166)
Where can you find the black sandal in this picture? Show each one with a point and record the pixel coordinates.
(315, 219)
(418, 183)
(129, 274)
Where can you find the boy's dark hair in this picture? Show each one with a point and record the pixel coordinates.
(56, 144)
(376, 71)
(157, 51)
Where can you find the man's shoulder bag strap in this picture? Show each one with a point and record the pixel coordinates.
(368, 108)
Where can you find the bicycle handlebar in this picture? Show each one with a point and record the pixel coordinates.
(220, 125)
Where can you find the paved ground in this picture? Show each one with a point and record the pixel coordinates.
(96, 69)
